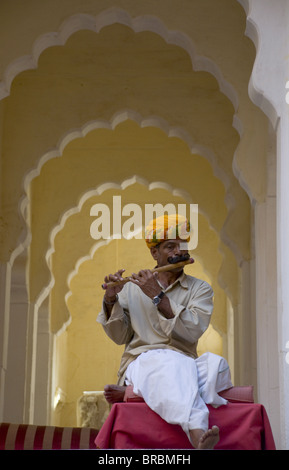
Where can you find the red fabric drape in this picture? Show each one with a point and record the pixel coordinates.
(136, 426)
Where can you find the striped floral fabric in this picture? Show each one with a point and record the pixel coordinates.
(32, 437)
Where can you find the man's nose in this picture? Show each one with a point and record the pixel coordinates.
(177, 250)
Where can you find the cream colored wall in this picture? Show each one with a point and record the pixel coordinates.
(153, 108)
(197, 182)
(206, 115)
(206, 119)
(205, 28)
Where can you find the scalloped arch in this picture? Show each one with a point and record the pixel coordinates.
(95, 246)
(154, 24)
(108, 17)
(118, 118)
(141, 23)
(96, 192)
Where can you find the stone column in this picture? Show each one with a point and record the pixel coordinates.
(267, 26)
(5, 278)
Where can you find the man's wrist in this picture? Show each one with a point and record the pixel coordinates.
(157, 298)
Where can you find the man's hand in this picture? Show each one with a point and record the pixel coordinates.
(112, 291)
(110, 295)
(147, 281)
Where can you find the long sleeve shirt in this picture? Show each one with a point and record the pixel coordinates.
(137, 323)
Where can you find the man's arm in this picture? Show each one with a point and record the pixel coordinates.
(187, 321)
(108, 302)
(113, 317)
(191, 320)
(111, 294)
(165, 308)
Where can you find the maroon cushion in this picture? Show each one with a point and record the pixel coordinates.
(242, 394)
(130, 395)
(233, 394)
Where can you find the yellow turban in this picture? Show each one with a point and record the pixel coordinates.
(167, 227)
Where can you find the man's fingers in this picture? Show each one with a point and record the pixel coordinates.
(114, 277)
(145, 273)
(135, 278)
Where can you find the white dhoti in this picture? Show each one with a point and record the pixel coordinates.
(178, 387)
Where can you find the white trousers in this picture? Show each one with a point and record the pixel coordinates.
(178, 387)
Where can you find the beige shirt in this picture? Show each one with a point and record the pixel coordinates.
(138, 324)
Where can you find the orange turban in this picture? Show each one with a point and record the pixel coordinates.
(167, 227)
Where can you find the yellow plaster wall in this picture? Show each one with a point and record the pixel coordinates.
(90, 84)
(207, 24)
(101, 107)
(133, 147)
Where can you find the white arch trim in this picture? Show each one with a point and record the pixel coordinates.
(100, 190)
(121, 116)
(77, 209)
(106, 18)
(152, 121)
(118, 118)
(256, 88)
(97, 192)
(141, 23)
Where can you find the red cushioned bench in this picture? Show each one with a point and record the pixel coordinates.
(244, 425)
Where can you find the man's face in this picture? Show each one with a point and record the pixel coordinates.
(167, 249)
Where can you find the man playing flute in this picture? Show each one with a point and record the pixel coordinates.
(160, 317)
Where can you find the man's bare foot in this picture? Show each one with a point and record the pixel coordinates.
(209, 439)
(114, 393)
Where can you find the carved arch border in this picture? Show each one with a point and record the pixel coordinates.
(116, 119)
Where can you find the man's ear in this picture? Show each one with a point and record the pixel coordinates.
(154, 252)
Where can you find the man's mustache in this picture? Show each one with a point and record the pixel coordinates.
(178, 258)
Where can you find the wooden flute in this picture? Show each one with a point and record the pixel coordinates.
(160, 269)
